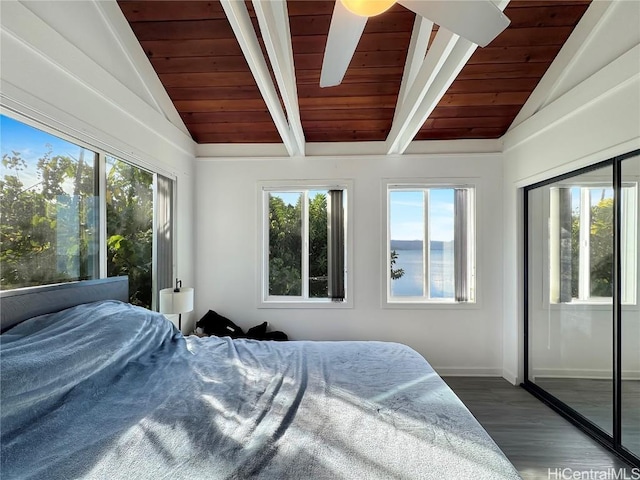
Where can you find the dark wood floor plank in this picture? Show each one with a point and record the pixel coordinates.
(532, 436)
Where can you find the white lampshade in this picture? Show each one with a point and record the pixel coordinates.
(176, 302)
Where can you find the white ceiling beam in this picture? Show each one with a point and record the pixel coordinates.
(418, 45)
(240, 21)
(273, 19)
(448, 54)
(446, 76)
(406, 121)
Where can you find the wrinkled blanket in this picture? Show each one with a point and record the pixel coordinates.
(111, 391)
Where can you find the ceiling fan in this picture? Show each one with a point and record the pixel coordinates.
(479, 21)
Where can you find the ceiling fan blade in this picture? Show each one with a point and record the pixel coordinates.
(479, 21)
(344, 34)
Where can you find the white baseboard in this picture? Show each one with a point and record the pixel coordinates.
(595, 374)
(510, 377)
(468, 371)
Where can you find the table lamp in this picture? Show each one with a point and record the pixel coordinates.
(176, 300)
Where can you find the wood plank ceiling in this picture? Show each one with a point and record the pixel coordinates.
(199, 61)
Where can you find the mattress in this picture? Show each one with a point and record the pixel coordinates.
(109, 390)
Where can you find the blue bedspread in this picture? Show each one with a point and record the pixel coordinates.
(111, 391)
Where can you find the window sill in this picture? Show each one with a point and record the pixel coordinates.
(431, 305)
(304, 304)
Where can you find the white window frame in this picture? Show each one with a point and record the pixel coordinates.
(279, 301)
(389, 301)
(629, 260)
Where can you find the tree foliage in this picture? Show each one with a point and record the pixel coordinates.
(318, 247)
(396, 273)
(130, 228)
(285, 246)
(600, 250)
(46, 234)
(49, 228)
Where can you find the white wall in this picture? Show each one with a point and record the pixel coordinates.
(586, 109)
(70, 66)
(454, 340)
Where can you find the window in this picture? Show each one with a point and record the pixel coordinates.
(430, 244)
(304, 244)
(48, 209)
(581, 242)
(51, 197)
(130, 228)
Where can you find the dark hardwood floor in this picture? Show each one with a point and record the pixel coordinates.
(538, 441)
(594, 399)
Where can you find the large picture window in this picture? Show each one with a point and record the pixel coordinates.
(304, 244)
(51, 198)
(430, 244)
(48, 209)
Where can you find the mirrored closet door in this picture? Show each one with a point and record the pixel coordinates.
(630, 312)
(582, 320)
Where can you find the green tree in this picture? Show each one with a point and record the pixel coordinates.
(45, 232)
(318, 247)
(396, 273)
(130, 228)
(600, 250)
(49, 229)
(285, 247)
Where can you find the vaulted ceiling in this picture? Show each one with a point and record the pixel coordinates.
(195, 51)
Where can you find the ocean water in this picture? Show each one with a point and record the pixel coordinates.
(441, 283)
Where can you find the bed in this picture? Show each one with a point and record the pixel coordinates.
(98, 388)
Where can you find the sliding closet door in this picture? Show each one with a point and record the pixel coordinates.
(630, 317)
(570, 288)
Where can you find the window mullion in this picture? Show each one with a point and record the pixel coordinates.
(426, 246)
(471, 244)
(387, 264)
(584, 288)
(628, 244)
(102, 201)
(460, 245)
(266, 195)
(305, 245)
(154, 247)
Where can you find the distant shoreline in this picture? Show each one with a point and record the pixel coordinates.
(417, 244)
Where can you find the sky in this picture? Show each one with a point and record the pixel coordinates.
(595, 197)
(32, 145)
(407, 215)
